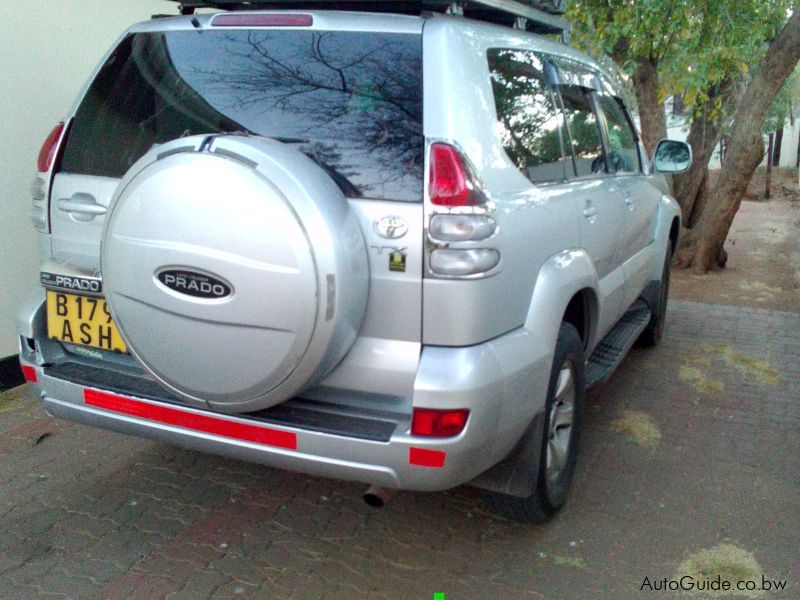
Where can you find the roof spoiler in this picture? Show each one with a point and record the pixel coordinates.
(538, 16)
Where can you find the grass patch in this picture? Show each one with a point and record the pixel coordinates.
(693, 369)
(700, 380)
(639, 426)
(7, 402)
(746, 365)
(730, 562)
(569, 561)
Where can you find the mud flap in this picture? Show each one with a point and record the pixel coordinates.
(517, 474)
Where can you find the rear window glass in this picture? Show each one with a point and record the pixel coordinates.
(530, 126)
(584, 130)
(352, 101)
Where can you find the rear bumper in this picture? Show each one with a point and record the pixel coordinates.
(497, 381)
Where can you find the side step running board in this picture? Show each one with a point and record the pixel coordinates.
(614, 347)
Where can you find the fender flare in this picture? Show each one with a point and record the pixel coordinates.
(668, 211)
(561, 277)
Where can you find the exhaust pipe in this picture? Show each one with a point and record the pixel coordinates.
(377, 497)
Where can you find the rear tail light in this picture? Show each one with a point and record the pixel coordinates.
(39, 186)
(429, 422)
(39, 196)
(462, 228)
(451, 183)
(464, 263)
(48, 151)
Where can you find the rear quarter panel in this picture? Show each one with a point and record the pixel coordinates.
(534, 222)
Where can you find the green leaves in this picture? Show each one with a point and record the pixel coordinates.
(696, 45)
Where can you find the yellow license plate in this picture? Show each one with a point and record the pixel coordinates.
(83, 320)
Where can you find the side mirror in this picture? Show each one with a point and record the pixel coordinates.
(672, 156)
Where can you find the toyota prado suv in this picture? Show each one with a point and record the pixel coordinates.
(390, 248)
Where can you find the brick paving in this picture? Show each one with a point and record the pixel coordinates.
(86, 513)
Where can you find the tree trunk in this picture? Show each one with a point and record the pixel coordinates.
(704, 135)
(700, 200)
(646, 86)
(776, 153)
(703, 246)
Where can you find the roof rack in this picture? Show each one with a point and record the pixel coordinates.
(539, 16)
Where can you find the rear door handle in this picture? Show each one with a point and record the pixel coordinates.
(590, 210)
(629, 200)
(81, 206)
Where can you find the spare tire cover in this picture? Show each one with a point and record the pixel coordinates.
(234, 269)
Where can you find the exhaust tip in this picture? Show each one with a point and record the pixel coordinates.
(377, 497)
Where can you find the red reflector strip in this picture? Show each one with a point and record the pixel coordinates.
(283, 20)
(423, 457)
(29, 373)
(191, 420)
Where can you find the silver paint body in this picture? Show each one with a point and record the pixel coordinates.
(485, 344)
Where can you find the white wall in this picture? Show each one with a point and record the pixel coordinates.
(677, 129)
(48, 49)
(791, 135)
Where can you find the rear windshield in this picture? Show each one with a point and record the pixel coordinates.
(352, 101)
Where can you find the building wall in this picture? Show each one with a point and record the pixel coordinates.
(48, 49)
(789, 147)
(677, 129)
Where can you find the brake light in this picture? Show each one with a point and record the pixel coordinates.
(276, 20)
(48, 152)
(438, 423)
(449, 183)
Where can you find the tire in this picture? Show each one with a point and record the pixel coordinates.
(654, 331)
(567, 385)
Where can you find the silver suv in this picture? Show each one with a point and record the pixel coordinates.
(389, 248)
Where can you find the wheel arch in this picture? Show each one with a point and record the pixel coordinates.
(565, 289)
(674, 233)
(582, 312)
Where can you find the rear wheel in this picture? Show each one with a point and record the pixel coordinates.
(559, 448)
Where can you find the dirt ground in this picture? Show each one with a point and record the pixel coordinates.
(763, 247)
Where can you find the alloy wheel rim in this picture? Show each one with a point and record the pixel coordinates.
(562, 414)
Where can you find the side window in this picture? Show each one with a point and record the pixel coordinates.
(529, 123)
(584, 130)
(623, 154)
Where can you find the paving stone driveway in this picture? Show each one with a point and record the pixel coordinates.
(689, 446)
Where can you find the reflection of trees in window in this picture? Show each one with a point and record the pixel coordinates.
(585, 139)
(671, 151)
(528, 120)
(624, 156)
(355, 97)
(587, 145)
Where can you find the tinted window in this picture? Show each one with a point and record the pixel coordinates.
(623, 154)
(584, 130)
(575, 73)
(528, 120)
(350, 100)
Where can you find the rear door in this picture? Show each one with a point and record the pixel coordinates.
(639, 197)
(599, 202)
(347, 94)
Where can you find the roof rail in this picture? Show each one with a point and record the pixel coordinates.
(539, 16)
